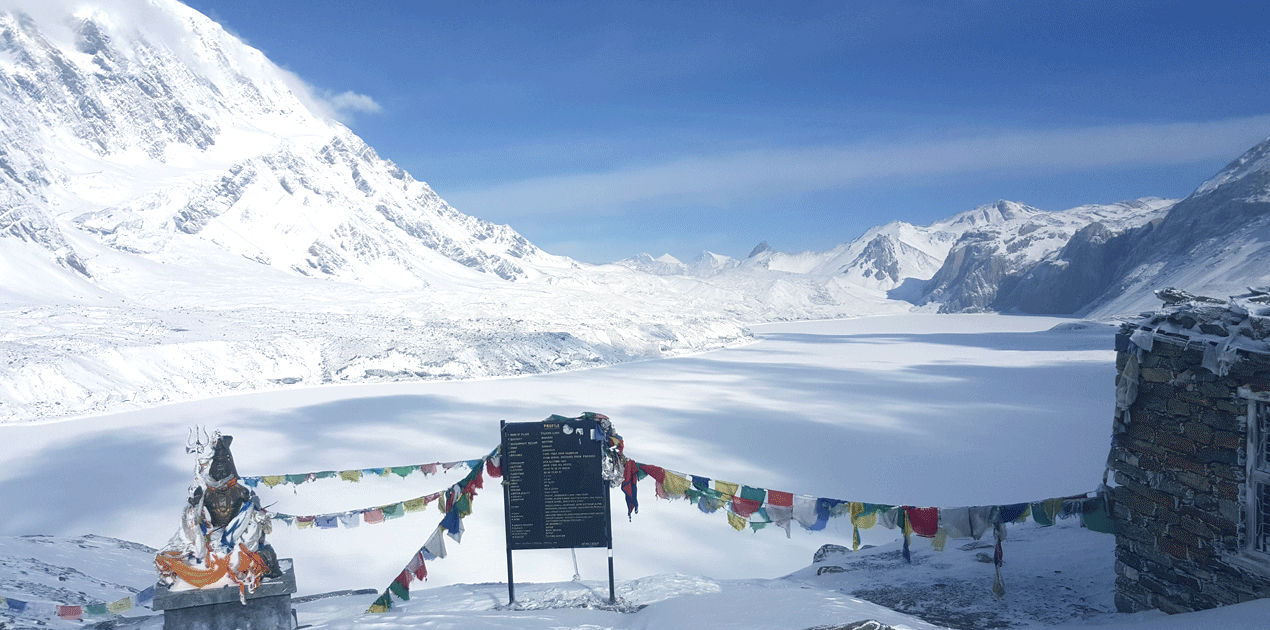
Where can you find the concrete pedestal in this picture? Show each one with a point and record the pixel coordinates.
(269, 608)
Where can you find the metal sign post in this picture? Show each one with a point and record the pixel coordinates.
(554, 493)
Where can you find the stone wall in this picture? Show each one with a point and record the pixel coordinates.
(1178, 454)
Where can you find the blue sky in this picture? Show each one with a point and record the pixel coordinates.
(603, 129)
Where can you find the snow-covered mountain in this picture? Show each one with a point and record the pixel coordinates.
(180, 218)
(1004, 242)
(971, 261)
(153, 139)
(1211, 243)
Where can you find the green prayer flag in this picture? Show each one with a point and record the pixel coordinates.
(463, 505)
(1097, 519)
(400, 590)
(95, 609)
(753, 494)
(403, 471)
(325, 474)
(1040, 515)
(383, 604)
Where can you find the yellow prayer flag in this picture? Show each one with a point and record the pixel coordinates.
(725, 488)
(416, 505)
(120, 606)
(941, 539)
(377, 608)
(862, 522)
(351, 475)
(675, 485)
(1052, 508)
(273, 480)
(736, 522)
(1027, 511)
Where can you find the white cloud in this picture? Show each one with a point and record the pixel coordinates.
(724, 179)
(352, 102)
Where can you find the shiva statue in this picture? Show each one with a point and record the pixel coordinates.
(222, 537)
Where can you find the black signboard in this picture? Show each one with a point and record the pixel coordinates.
(556, 496)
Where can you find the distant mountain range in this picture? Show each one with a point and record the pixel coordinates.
(991, 258)
(178, 219)
(1095, 260)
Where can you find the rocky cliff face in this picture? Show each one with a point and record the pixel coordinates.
(1029, 260)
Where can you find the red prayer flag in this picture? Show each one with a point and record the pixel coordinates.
(780, 499)
(925, 521)
(404, 579)
(70, 612)
(745, 507)
(655, 472)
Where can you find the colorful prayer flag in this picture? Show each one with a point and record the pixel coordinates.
(435, 546)
(781, 499)
(923, 521)
(726, 488)
(676, 485)
(381, 605)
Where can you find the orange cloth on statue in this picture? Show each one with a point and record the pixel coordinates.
(250, 568)
(170, 563)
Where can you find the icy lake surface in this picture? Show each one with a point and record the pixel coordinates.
(919, 409)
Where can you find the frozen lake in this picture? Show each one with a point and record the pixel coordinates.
(925, 410)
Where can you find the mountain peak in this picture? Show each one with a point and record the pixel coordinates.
(1254, 160)
(759, 249)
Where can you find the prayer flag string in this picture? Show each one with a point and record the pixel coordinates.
(47, 610)
(458, 504)
(758, 507)
(356, 475)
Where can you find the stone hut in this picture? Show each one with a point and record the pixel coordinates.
(1191, 454)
